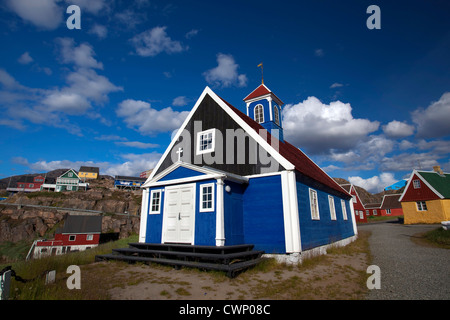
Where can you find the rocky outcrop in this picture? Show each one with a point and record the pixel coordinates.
(27, 223)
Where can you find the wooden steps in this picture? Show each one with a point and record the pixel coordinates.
(229, 259)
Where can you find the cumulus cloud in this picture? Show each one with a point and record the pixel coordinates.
(154, 41)
(84, 89)
(91, 6)
(140, 115)
(433, 121)
(374, 184)
(44, 14)
(82, 55)
(180, 101)
(397, 129)
(131, 164)
(25, 58)
(226, 73)
(319, 128)
(100, 31)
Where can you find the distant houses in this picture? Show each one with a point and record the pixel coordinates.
(426, 198)
(128, 183)
(68, 181)
(389, 205)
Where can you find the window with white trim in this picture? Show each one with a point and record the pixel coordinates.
(344, 210)
(332, 208)
(72, 237)
(259, 113)
(89, 237)
(416, 184)
(276, 115)
(207, 197)
(421, 206)
(155, 202)
(206, 141)
(314, 203)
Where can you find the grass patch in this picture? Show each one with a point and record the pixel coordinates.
(439, 237)
(36, 270)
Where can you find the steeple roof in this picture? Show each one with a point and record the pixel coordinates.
(262, 90)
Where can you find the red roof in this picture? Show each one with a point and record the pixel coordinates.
(302, 163)
(260, 91)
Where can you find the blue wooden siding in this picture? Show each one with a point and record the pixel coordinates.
(205, 222)
(234, 214)
(179, 173)
(154, 221)
(315, 233)
(263, 214)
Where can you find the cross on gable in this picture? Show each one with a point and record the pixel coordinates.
(179, 152)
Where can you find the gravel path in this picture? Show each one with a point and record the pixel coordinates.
(408, 270)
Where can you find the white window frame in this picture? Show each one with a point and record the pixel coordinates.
(416, 184)
(354, 199)
(213, 141)
(314, 204)
(74, 237)
(152, 194)
(89, 237)
(375, 212)
(261, 115)
(276, 115)
(332, 207)
(344, 210)
(206, 185)
(421, 206)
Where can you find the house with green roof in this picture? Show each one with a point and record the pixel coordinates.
(426, 198)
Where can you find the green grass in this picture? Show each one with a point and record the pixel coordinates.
(439, 237)
(36, 270)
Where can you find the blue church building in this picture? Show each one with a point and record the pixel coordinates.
(230, 178)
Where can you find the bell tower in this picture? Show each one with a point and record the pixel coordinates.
(264, 107)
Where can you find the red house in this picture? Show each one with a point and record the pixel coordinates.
(79, 233)
(28, 184)
(373, 209)
(391, 206)
(358, 206)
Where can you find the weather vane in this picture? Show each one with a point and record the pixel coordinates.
(262, 72)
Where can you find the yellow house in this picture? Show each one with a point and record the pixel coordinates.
(88, 173)
(426, 198)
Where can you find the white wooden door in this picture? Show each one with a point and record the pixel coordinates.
(179, 214)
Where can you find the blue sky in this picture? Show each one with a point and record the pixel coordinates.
(366, 105)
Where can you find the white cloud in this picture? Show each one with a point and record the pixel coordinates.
(136, 144)
(191, 34)
(82, 56)
(132, 164)
(100, 31)
(45, 14)
(397, 129)
(336, 85)
(225, 74)
(375, 184)
(25, 58)
(152, 42)
(320, 128)
(85, 88)
(433, 122)
(180, 101)
(140, 115)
